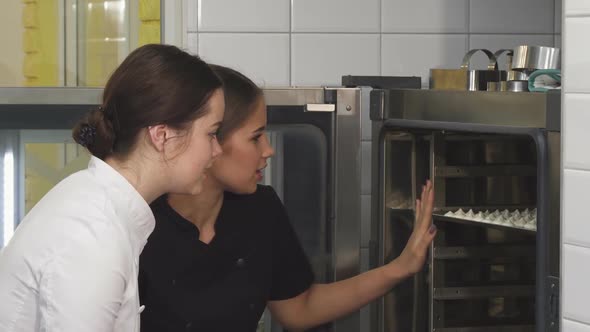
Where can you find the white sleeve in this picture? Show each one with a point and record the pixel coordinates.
(82, 288)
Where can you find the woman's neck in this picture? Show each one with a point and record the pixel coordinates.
(138, 177)
(202, 209)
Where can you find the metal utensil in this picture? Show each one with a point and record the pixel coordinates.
(531, 58)
(465, 78)
(518, 86)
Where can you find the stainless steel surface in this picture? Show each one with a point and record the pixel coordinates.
(365, 168)
(517, 86)
(320, 108)
(536, 57)
(44, 96)
(488, 170)
(465, 78)
(438, 218)
(553, 248)
(490, 251)
(505, 75)
(344, 190)
(514, 75)
(497, 86)
(365, 226)
(509, 328)
(365, 113)
(509, 54)
(532, 110)
(293, 96)
(90, 96)
(460, 293)
(348, 187)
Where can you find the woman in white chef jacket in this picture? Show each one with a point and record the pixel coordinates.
(72, 263)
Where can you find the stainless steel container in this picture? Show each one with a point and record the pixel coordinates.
(530, 58)
(517, 86)
(465, 78)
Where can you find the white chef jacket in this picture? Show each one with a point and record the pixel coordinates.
(72, 263)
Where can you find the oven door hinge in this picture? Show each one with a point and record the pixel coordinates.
(552, 305)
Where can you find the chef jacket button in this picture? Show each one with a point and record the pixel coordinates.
(173, 282)
(188, 325)
(252, 306)
(241, 262)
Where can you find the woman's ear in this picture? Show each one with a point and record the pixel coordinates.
(158, 136)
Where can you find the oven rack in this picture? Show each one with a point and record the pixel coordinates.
(440, 216)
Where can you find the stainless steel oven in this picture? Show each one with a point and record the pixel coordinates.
(494, 158)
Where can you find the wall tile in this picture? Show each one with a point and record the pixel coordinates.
(192, 24)
(509, 16)
(577, 7)
(428, 16)
(570, 326)
(335, 16)
(262, 57)
(244, 16)
(576, 54)
(576, 118)
(575, 290)
(322, 59)
(192, 42)
(575, 214)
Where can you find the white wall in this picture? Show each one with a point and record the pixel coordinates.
(576, 164)
(315, 42)
(11, 50)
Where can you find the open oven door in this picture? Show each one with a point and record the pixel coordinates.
(316, 171)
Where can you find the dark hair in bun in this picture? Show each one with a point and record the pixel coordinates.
(155, 84)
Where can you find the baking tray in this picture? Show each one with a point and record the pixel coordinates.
(439, 216)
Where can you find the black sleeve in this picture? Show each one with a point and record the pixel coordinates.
(291, 271)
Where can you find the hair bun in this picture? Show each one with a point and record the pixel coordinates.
(95, 133)
(86, 135)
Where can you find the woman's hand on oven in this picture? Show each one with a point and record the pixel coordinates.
(323, 303)
(414, 254)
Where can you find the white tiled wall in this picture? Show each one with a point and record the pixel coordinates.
(315, 42)
(576, 164)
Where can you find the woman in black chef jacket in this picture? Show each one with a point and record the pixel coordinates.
(215, 260)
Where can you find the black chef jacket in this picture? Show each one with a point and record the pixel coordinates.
(255, 256)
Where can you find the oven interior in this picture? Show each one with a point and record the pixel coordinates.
(480, 274)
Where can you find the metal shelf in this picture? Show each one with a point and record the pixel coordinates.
(440, 217)
(490, 251)
(504, 328)
(462, 293)
(490, 170)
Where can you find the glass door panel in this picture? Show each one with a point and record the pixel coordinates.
(33, 162)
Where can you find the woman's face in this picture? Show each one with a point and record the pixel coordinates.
(245, 154)
(192, 156)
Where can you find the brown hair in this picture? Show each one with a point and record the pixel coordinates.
(241, 96)
(155, 84)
